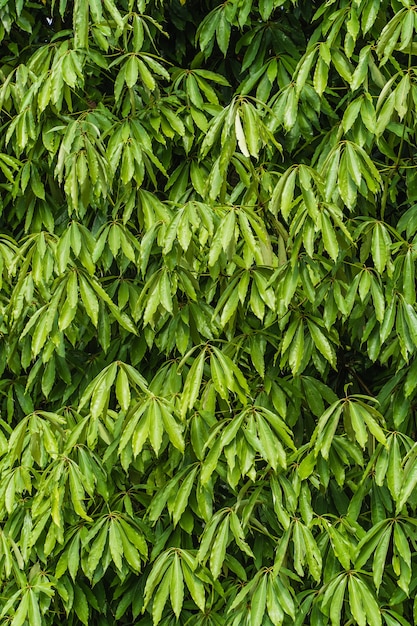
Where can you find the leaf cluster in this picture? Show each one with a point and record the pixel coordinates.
(208, 218)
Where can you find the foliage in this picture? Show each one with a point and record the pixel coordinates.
(208, 312)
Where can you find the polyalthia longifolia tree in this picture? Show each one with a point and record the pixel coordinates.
(208, 312)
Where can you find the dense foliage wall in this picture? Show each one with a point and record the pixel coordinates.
(208, 312)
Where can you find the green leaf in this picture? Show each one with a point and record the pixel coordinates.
(123, 390)
(89, 300)
(161, 597)
(131, 71)
(176, 589)
(81, 605)
(22, 611)
(322, 343)
(182, 496)
(194, 585)
(329, 237)
(258, 602)
(336, 605)
(409, 480)
(80, 24)
(380, 557)
(358, 423)
(356, 601)
(275, 611)
(172, 428)
(115, 544)
(218, 551)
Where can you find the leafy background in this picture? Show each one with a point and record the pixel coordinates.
(208, 312)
